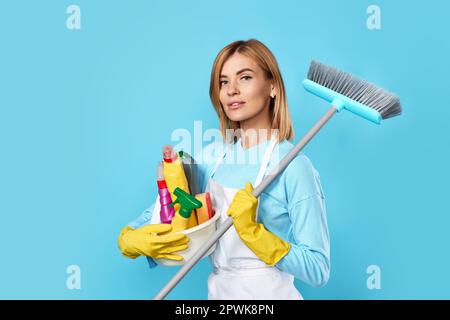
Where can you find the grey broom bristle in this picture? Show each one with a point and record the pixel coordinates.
(386, 103)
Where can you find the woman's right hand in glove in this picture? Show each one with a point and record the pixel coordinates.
(146, 241)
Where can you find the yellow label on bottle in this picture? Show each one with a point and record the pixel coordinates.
(179, 223)
(175, 178)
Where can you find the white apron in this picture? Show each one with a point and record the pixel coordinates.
(238, 272)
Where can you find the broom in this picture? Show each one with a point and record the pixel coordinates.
(343, 91)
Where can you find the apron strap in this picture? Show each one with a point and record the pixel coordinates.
(266, 160)
(220, 159)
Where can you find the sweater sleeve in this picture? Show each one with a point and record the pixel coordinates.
(309, 257)
(143, 219)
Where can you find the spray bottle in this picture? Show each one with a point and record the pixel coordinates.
(175, 177)
(187, 203)
(166, 213)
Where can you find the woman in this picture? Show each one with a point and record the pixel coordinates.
(275, 238)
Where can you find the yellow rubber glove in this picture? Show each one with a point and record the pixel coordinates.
(146, 241)
(267, 246)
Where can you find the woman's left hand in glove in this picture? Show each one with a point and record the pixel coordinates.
(266, 245)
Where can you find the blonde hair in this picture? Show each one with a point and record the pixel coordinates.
(257, 51)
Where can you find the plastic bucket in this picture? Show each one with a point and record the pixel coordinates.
(198, 236)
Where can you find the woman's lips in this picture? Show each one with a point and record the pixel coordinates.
(235, 105)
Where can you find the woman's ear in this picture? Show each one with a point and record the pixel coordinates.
(273, 91)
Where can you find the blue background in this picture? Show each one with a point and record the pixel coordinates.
(84, 114)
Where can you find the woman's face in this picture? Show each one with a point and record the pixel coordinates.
(244, 89)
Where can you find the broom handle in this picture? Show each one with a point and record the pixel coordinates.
(256, 192)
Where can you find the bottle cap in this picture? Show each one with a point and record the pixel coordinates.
(162, 184)
(169, 154)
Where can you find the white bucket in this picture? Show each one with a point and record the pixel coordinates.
(198, 236)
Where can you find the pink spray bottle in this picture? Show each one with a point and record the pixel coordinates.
(166, 213)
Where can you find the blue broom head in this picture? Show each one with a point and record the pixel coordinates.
(345, 91)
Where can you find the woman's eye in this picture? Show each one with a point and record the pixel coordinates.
(246, 77)
(221, 83)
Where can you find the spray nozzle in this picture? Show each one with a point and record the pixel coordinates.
(186, 201)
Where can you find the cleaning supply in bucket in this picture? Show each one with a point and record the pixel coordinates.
(187, 203)
(173, 171)
(175, 177)
(190, 170)
(205, 212)
(166, 213)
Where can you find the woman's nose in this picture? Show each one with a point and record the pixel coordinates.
(232, 89)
